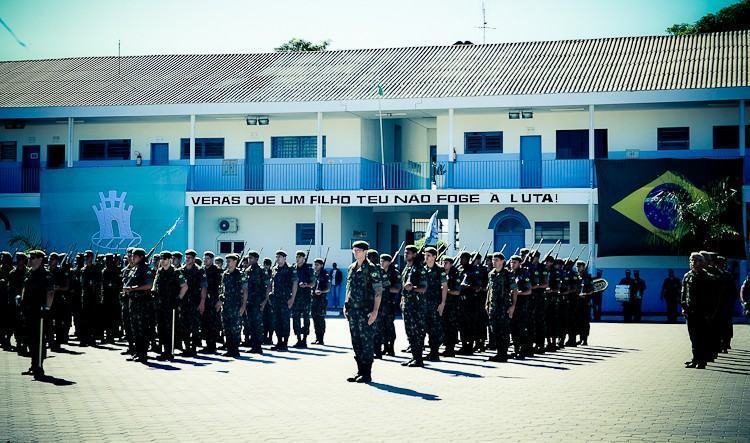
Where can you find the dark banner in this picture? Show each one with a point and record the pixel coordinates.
(638, 204)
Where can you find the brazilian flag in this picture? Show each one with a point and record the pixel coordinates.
(635, 218)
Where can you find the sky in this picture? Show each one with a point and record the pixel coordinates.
(75, 28)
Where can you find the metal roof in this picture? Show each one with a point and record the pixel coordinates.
(717, 60)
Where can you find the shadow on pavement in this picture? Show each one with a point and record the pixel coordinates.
(254, 360)
(267, 354)
(322, 349)
(67, 351)
(188, 362)
(525, 363)
(404, 391)
(54, 380)
(162, 366)
(207, 358)
(297, 351)
(453, 372)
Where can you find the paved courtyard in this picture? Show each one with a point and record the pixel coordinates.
(629, 385)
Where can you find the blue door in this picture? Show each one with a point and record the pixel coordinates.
(511, 234)
(30, 169)
(531, 161)
(159, 154)
(253, 166)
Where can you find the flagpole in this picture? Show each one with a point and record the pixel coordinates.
(380, 117)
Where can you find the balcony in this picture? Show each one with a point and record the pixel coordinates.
(15, 179)
(368, 175)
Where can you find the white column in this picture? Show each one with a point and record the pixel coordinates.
(452, 230)
(69, 145)
(319, 139)
(191, 227)
(742, 128)
(192, 139)
(318, 232)
(743, 266)
(450, 134)
(592, 232)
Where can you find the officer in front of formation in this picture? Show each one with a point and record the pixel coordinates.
(36, 301)
(363, 293)
(319, 304)
(697, 308)
(137, 287)
(283, 292)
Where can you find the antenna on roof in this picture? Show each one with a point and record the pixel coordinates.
(484, 26)
(118, 57)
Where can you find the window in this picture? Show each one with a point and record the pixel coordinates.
(728, 137)
(204, 148)
(296, 147)
(552, 232)
(8, 151)
(483, 142)
(306, 233)
(574, 144)
(104, 149)
(583, 232)
(55, 156)
(229, 246)
(673, 138)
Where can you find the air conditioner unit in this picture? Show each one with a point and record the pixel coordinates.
(632, 153)
(228, 225)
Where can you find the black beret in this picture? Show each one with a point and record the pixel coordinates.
(233, 256)
(253, 254)
(515, 258)
(430, 250)
(498, 255)
(524, 250)
(4, 254)
(466, 254)
(281, 252)
(361, 244)
(219, 258)
(300, 253)
(21, 254)
(549, 258)
(209, 254)
(319, 261)
(36, 253)
(53, 255)
(411, 248)
(267, 261)
(386, 257)
(89, 252)
(448, 258)
(139, 251)
(165, 255)
(191, 252)
(129, 250)
(177, 254)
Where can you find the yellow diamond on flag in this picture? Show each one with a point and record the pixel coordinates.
(653, 206)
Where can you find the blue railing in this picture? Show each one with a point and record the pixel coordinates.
(15, 180)
(367, 174)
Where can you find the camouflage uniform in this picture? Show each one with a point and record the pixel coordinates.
(450, 313)
(233, 283)
(302, 301)
(16, 278)
(60, 311)
(187, 313)
(140, 306)
(539, 277)
(583, 313)
(211, 320)
(699, 309)
(268, 315)
(284, 279)
(257, 284)
(91, 279)
(166, 290)
(498, 301)
(433, 278)
(386, 333)
(363, 285)
(124, 309)
(468, 301)
(34, 298)
(378, 336)
(574, 301)
(413, 309)
(6, 304)
(552, 303)
(521, 281)
(320, 304)
(111, 289)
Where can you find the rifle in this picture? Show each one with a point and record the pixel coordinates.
(474, 257)
(579, 256)
(516, 251)
(167, 233)
(325, 259)
(569, 257)
(309, 247)
(534, 250)
(552, 249)
(398, 251)
(503, 248)
(441, 254)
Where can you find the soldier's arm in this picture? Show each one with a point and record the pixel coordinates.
(183, 289)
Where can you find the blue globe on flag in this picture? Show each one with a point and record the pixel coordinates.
(661, 205)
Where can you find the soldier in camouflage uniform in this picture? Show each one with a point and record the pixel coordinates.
(413, 306)
(137, 286)
(303, 299)
(111, 289)
(258, 286)
(480, 331)
(728, 296)
(211, 318)
(552, 301)
(450, 312)
(234, 301)
(283, 293)
(374, 257)
(388, 303)
(60, 312)
(363, 293)
(6, 304)
(583, 310)
(169, 286)
(435, 291)
(563, 302)
(539, 286)
(267, 307)
(501, 302)
(471, 283)
(125, 304)
(320, 300)
(697, 308)
(91, 279)
(521, 283)
(36, 300)
(16, 278)
(192, 305)
(574, 290)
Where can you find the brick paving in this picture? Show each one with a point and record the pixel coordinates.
(629, 385)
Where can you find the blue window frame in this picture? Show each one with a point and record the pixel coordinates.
(583, 232)
(116, 149)
(483, 142)
(551, 232)
(204, 148)
(673, 138)
(8, 151)
(305, 146)
(306, 233)
(574, 144)
(728, 137)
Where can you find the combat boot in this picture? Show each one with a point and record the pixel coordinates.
(355, 377)
(299, 342)
(449, 352)
(366, 375)
(389, 349)
(303, 344)
(416, 363)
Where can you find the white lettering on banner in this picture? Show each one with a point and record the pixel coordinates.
(389, 198)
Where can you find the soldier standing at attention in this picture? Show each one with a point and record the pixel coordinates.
(388, 303)
(552, 300)
(727, 295)
(284, 291)
(412, 306)
(361, 305)
(267, 307)
(257, 294)
(640, 289)
(6, 304)
(91, 277)
(373, 256)
(301, 306)
(500, 306)
(450, 312)
(320, 301)
(36, 300)
(124, 302)
(59, 313)
(627, 306)
(670, 293)
(211, 319)
(471, 281)
(234, 301)
(192, 305)
(111, 288)
(16, 278)
(539, 285)
(435, 291)
(137, 287)
(520, 325)
(584, 311)
(697, 308)
(169, 286)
